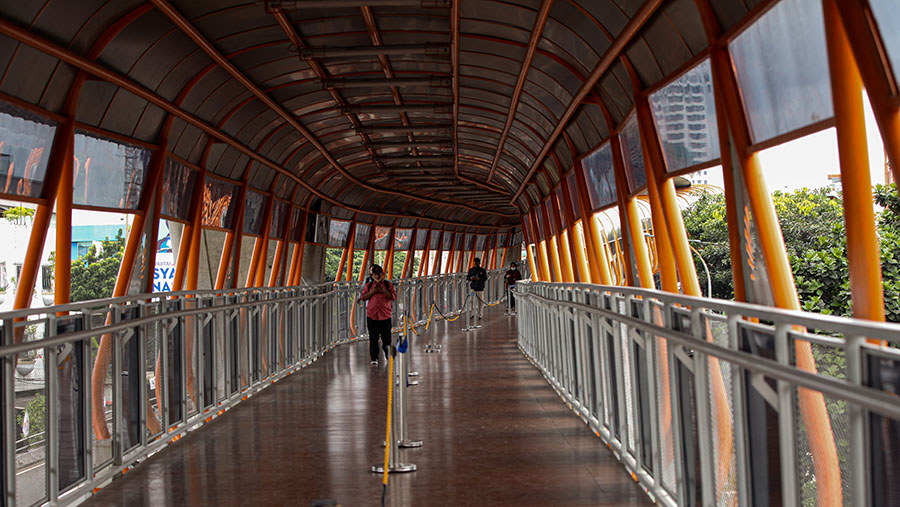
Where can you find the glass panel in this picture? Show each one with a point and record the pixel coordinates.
(470, 241)
(382, 236)
(178, 184)
(886, 13)
(685, 116)
(501, 241)
(24, 151)
(296, 216)
(573, 196)
(634, 156)
(338, 233)
(361, 241)
(436, 240)
(539, 213)
(402, 238)
(107, 173)
(562, 207)
(599, 176)
(217, 208)
(460, 240)
(782, 69)
(279, 214)
(551, 215)
(479, 245)
(421, 237)
(253, 212)
(448, 240)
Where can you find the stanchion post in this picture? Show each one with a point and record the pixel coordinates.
(394, 465)
(402, 405)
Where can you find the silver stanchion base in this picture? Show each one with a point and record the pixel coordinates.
(412, 382)
(398, 468)
(407, 444)
(412, 374)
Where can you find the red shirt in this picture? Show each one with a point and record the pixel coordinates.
(379, 305)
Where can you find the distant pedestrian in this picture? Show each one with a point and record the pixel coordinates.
(477, 277)
(512, 276)
(379, 293)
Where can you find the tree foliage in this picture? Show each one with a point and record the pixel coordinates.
(333, 261)
(812, 224)
(94, 273)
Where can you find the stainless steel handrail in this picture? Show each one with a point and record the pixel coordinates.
(620, 357)
(242, 340)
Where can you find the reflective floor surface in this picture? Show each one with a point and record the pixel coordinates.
(494, 433)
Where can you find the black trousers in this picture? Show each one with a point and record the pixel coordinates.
(512, 299)
(378, 329)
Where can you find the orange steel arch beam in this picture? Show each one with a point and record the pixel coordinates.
(616, 48)
(536, 33)
(26, 37)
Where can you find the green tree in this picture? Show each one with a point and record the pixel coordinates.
(36, 410)
(94, 273)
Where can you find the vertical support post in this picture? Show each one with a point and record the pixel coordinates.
(264, 240)
(63, 268)
(576, 258)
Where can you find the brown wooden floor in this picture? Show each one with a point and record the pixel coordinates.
(495, 433)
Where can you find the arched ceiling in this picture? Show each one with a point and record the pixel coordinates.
(463, 111)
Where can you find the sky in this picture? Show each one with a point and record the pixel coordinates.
(807, 162)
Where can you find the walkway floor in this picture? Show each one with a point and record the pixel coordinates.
(494, 433)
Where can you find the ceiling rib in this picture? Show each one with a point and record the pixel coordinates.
(536, 33)
(401, 108)
(395, 49)
(182, 23)
(433, 82)
(640, 18)
(372, 129)
(288, 5)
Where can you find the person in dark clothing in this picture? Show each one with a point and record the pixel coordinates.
(512, 276)
(477, 276)
(379, 293)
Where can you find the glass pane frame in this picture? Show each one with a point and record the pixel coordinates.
(177, 189)
(338, 232)
(254, 209)
(633, 154)
(599, 174)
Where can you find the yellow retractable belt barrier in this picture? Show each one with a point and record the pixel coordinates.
(387, 433)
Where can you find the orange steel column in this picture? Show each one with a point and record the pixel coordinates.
(297, 257)
(389, 256)
(123, 280)
(187, 235)
(62, 271)
(863, 252)
(666, 193)
(549, 245)
(423, 269)
(154, 232)
(563, 256)
(812, 404)
(264, 239)
(449, 265)
(578, 271)
(410, 252)
(351, 250)
(881, 88)
(60, 152)
(597, 262)
(462, 252)
(642, 258)
(622, 199)
(369, 256)
(238, 229)
(528, 241)
(665, 258)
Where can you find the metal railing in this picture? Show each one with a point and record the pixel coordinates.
(177, 361)
(711, 402)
